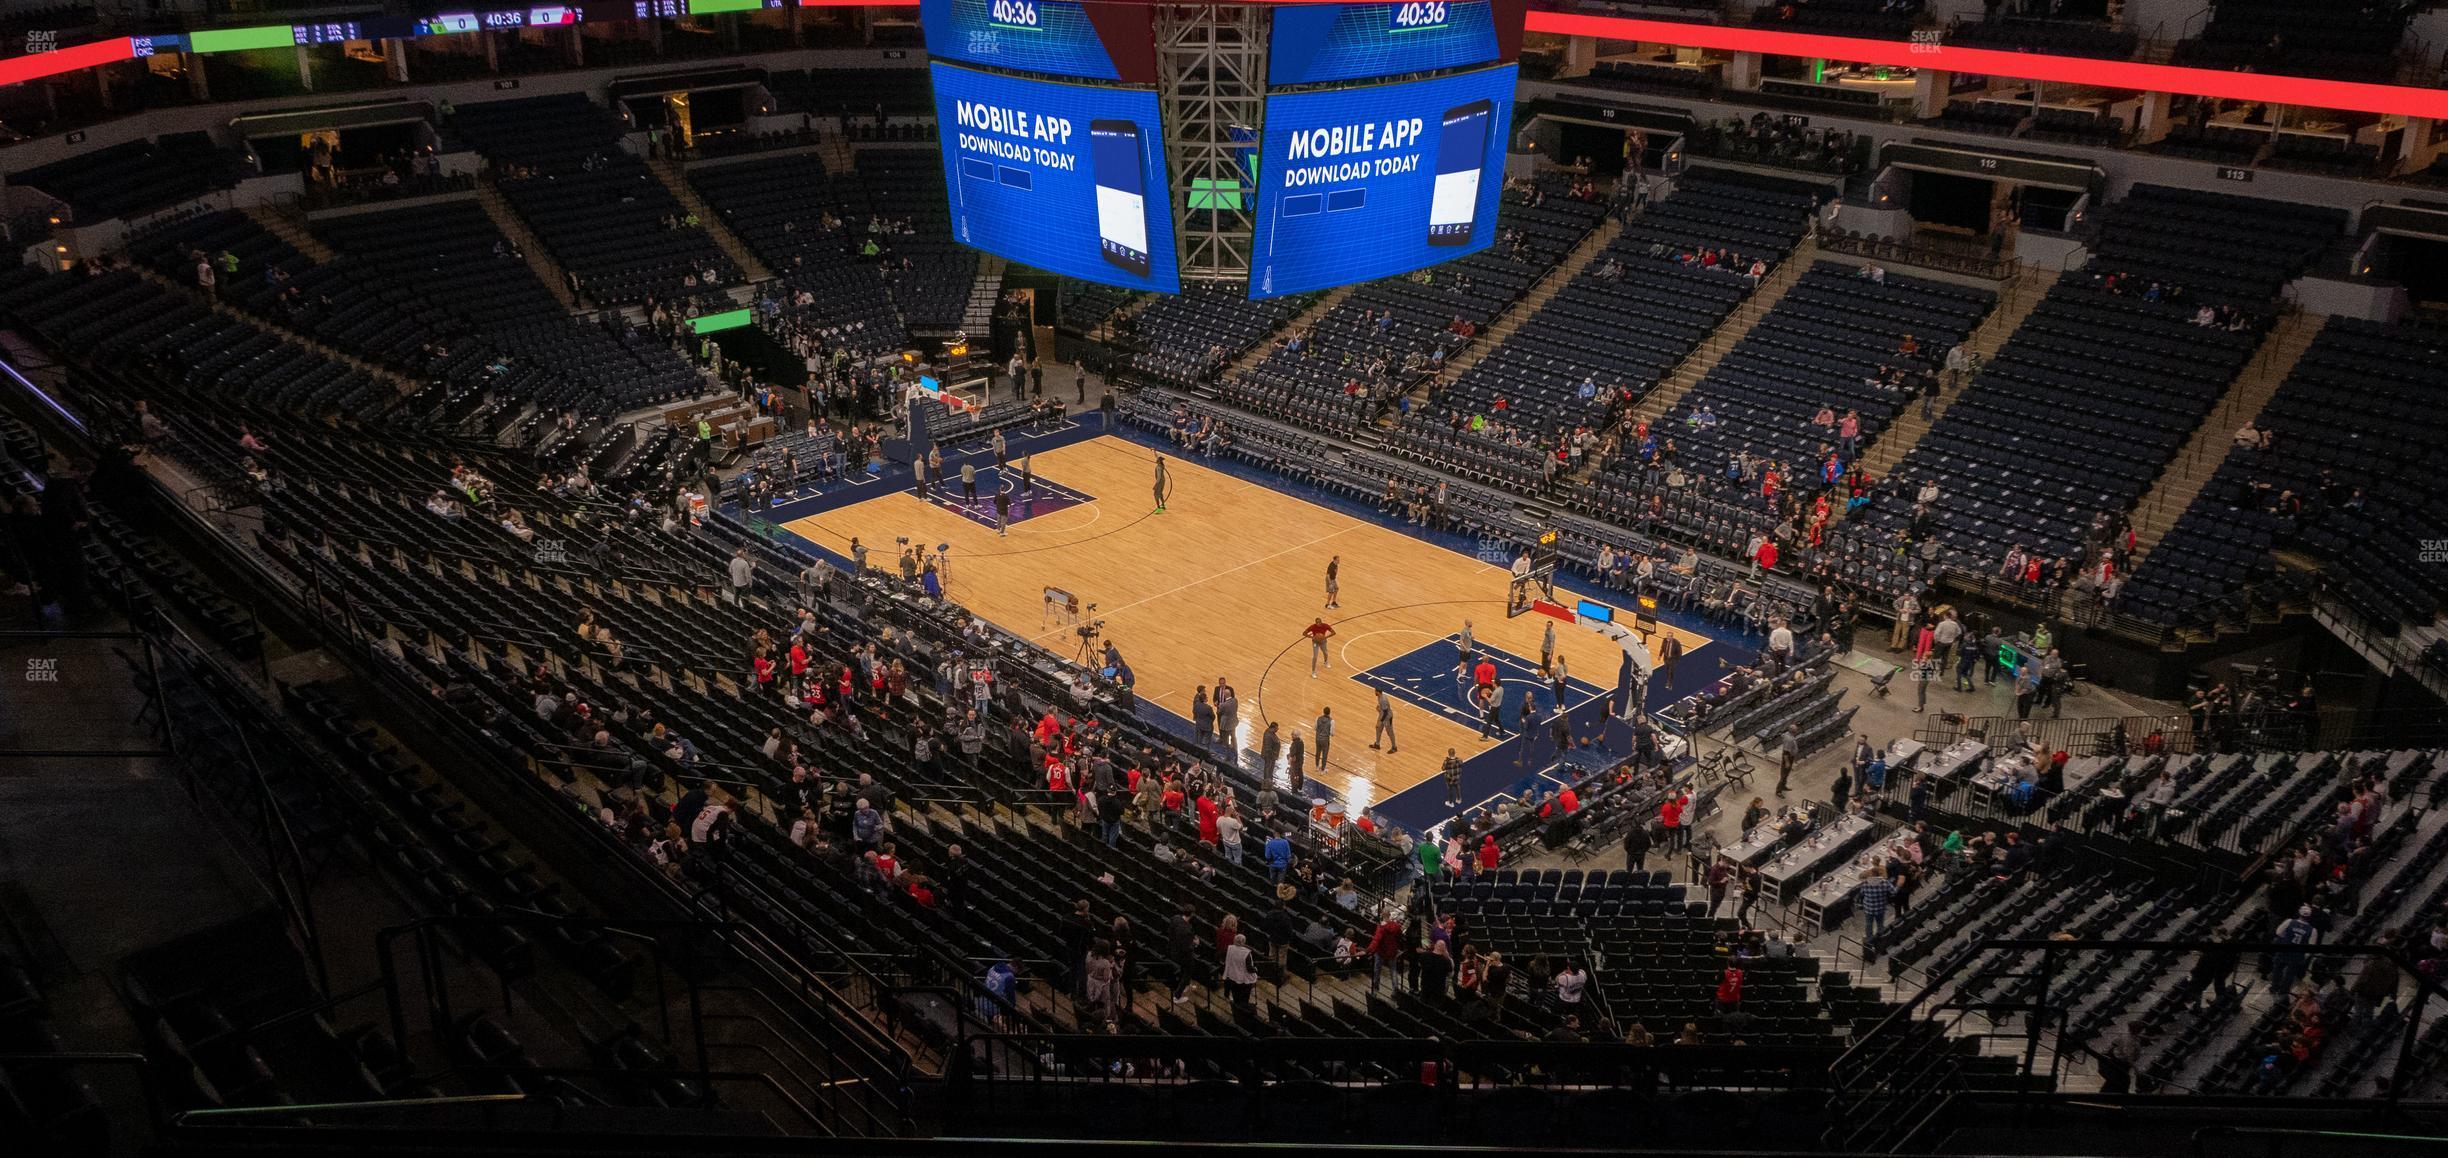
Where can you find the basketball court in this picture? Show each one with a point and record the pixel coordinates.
(1222, 584)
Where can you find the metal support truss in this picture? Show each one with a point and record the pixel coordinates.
(1211, 83)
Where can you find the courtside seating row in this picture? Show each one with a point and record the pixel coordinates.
(2357, 412)
(1519, 464)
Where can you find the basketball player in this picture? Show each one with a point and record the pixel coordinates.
(1318, 632)
(1334, 567)
(1385, 722)
(1164, 483)
(1547, 652)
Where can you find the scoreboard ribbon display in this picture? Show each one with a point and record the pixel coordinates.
(1355, 184)
(1068, 178)
(1315, 43)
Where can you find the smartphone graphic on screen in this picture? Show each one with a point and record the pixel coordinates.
(1461, 152)
(1122, 230)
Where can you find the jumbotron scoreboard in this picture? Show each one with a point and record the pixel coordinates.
(1294, 146)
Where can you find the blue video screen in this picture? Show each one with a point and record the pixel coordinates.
(1064, 177)
(1356, 184)
(1050, 36)
(1315, 43)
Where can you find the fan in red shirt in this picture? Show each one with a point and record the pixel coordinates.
(1489, 854)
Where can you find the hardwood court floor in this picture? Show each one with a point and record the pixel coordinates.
(1222, 584)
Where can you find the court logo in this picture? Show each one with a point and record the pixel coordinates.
(1494, 552)
(42, 671)
(2433, 551)
(1926, 40)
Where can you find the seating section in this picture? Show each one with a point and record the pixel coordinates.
(1978, 116)
(906, 186)
(1634, 75)
(120, 319)
(1377, 344)
(448, 257)
(1877, 19)
(2055, 37)
(2348, 478)
(1825, 347)
(1574, 362)
(123, 180)
(2217, 247)
(548, 134)
(2346, 42)
(1190, 336)
(2224, 144)
(858, 96)
(2078, 413)
(602, 214)
(810, 227)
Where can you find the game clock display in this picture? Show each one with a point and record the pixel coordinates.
(1064, 177)
(1362, 183)
(1318, 43)
(1049, 36)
